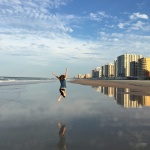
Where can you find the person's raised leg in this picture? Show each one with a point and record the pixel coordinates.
(59, 98)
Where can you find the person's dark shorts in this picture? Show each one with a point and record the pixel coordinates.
(61, 92)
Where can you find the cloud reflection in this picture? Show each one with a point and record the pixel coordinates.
(92, 121)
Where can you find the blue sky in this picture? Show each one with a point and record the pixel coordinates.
(38, 37)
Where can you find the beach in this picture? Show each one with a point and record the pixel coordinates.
(94, 117)
(139, 86)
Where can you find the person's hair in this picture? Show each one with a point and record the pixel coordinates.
(62, 77)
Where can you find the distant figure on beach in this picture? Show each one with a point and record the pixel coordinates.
(62, 135)
(62, 79)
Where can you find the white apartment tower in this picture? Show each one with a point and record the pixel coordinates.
(123, 63)
(97, 72)
(109, 70)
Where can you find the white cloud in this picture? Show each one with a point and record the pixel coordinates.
(127, 43)
(34, 15)
(138, 16)
(99, 15)
(147, 27)
(103, 14)
(121, 25)
(30, 30)
(133, 24)
(94, 16)
(102, 33)
(34, 4)
(44, 49)
(138, 25)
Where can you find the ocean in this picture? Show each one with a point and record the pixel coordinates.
(4, 80)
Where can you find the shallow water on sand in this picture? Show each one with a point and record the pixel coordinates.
(94, 117)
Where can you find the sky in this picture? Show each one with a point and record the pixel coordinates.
(38, 37)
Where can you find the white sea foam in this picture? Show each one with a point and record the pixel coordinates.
(20, 81)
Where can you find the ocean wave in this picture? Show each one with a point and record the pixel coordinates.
(22, 80)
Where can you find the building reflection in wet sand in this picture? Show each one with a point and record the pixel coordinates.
(124, 97)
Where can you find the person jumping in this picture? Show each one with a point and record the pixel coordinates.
(62, 79)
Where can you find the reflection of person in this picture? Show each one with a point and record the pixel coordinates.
(62, 135)
(62, 79)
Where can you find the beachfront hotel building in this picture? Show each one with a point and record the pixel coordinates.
(109, 70)
(124, 62)
(127, 65)
(87, 75)
(115, 68)
(143, 70)
(80, 76)
(103, 71)
(97, 72)
(133, 68)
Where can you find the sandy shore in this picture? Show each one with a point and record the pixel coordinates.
(142, 87)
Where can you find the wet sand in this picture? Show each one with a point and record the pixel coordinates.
(30, 115)
(141, 87)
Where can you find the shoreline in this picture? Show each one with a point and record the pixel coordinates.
(140, 86)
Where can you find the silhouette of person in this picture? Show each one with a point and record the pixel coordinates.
(62, 136)
(62, 79)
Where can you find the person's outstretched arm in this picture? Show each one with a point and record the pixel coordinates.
(66, 74)
(55, 75)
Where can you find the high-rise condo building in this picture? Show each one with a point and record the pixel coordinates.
(123, 63)
(143, 67)
(87, 75)
(115, 68)
(103, 71)
(97, 72)
(133, 68)
(109, 70)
